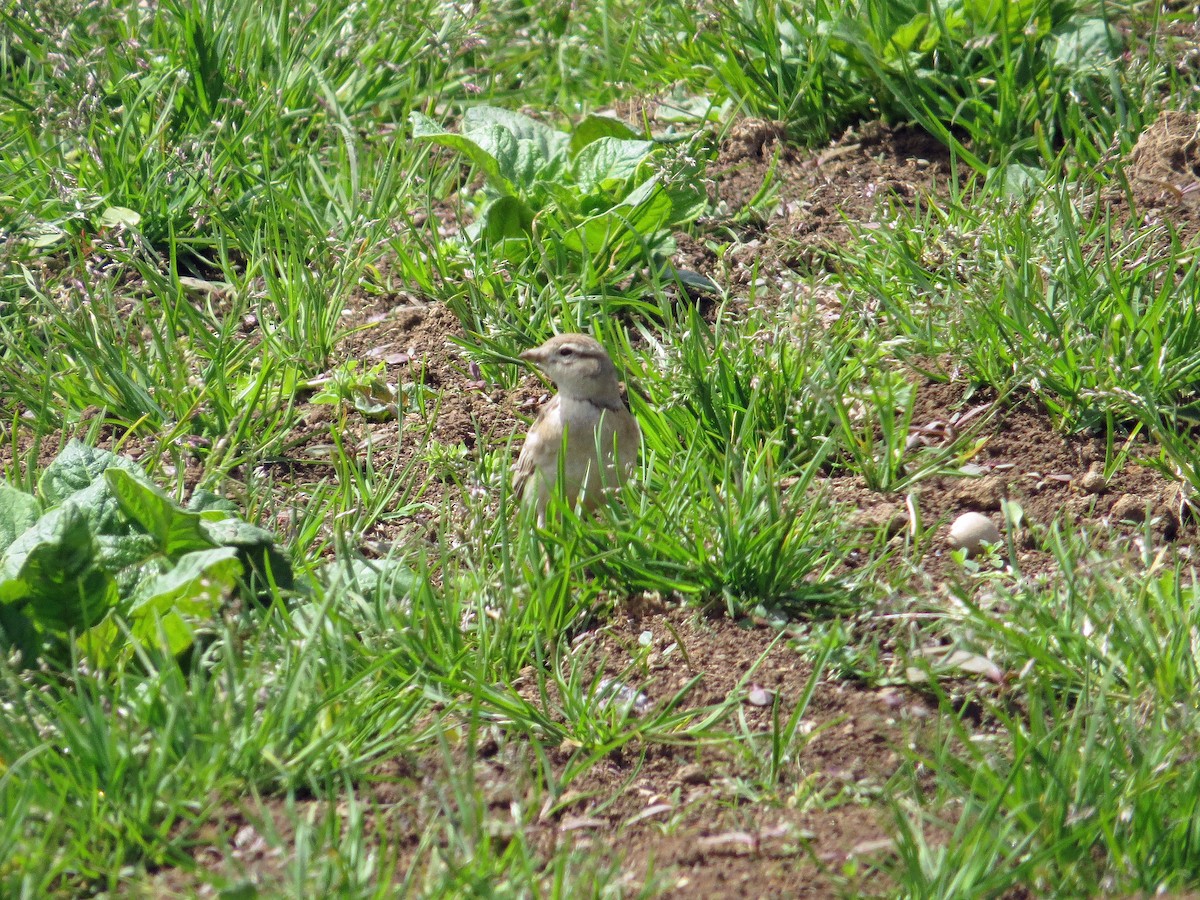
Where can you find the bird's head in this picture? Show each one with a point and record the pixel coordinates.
(577, 365)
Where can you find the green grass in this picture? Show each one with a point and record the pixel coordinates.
(1049, 295)
(194, 194)
(1090, 747)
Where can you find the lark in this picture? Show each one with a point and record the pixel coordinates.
(587, 418)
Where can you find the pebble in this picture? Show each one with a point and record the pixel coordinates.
(981, 493)
(693, 773)
(971, 531)
(759, 696)
(1094, 481)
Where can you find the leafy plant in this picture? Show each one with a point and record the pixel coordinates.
(1006, 75)
(780, 61)
(367, 391)
(596, 202)
(103, 555)
(998, 82)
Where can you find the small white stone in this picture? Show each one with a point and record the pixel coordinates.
(759, 696)
(971, 531)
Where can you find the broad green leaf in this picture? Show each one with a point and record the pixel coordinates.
(46, 234)
(527, 151)
(512, 150)
(610, 159)
(135, 550)
(166, 606)
(204, 501)
(506, 218)
(369, 579)
(235, 532)
(687, 202)
(104, 643)
(1085, 45)
(568, 199)
(261, 559)
(649, 218)
(594, 127)
(52, 569)
(17, 630)
(196, 585)
(684, 108)
(75, 468)
(986, 14)
(626, 226)
(950, 15)
(1017, 180)
(119, 215)
(101, 507)
(116, 544)
(176, 530)
(18, 511)
(647, 192)
(647, 209)
(266, 565)
(591, 236)
(63, 524)
(519, 161)
(425, 129)
(548, 145)
(905, 38)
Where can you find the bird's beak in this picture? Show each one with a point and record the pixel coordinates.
(534, 356)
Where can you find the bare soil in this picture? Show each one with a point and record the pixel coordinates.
(688, 820)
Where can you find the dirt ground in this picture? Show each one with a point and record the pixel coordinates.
(686, 819)
(682, 819)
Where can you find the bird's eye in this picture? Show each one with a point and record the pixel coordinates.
(566, 352)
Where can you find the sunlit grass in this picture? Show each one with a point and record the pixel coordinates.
(192, 196)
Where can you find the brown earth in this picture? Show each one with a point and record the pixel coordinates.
(695, 820)
(689, 819)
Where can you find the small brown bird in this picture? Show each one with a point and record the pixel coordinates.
(602, 436)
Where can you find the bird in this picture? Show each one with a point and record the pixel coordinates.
(601, 434)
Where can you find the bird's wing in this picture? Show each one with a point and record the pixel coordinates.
(542, 443)
(629, 439)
